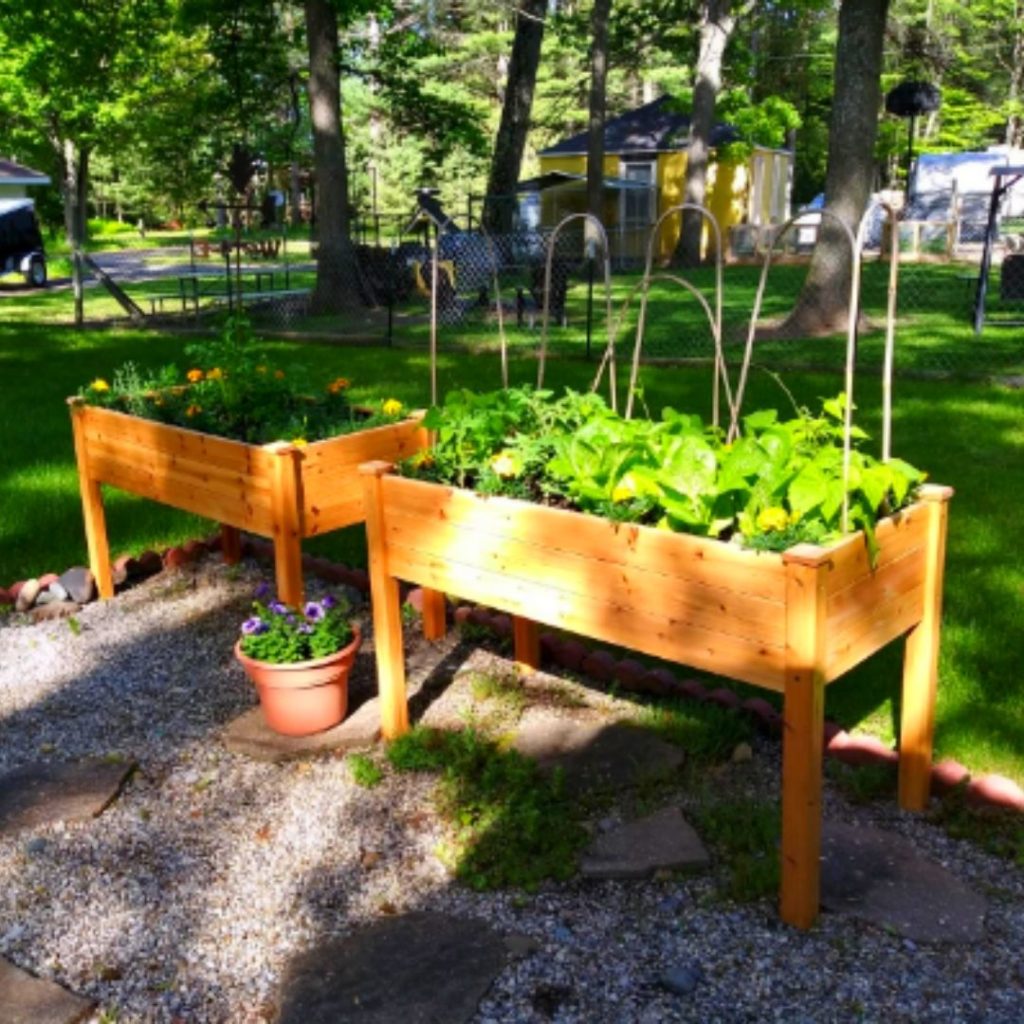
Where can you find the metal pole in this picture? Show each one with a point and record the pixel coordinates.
(76, 272)
(590, 300)
(986, 256)
(433, 320)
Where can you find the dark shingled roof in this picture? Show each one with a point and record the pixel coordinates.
(652, 127)
(11, 171)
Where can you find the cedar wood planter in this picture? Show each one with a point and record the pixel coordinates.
(790, 622)
(278, 490)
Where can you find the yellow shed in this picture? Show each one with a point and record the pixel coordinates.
(644, 171)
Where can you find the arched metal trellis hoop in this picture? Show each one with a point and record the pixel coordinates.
(609, 354)
(856, 243)
(721, 378)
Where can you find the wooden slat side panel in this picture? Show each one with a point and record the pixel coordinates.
(717, 609)
(594, 616)
(330, 471)
(886, 621)
(860, 599)
(759, 574)
(115, 427)
(850, 561)
(183, 494)
(338, 514)
(226, 482)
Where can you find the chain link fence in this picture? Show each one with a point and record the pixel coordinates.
(482, 288)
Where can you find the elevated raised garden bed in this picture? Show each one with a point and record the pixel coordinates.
(790, 622)
(279, 490)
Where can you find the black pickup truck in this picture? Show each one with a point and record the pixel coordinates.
(21, 244)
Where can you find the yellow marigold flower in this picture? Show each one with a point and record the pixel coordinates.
(506, 465)
(299, 442)
(423, 458)
(279, 374)
(99, 384)
(261, 368)
(774, 518)
(215, 374)
(392, 407)
(193, 410)
(194, 376)
(625, 489)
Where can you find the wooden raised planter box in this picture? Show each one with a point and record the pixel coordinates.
(278, 490)
(790, 622)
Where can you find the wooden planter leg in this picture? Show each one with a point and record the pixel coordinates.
(286, 504)
(921, 663)
(803, 725)
(230, 544)
(526, 640)
(387, 613)
(92, 508)
(434, 614)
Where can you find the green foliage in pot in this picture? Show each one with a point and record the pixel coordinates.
(278, 635)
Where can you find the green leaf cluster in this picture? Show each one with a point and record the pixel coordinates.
(777, 484)
(231, 390)
(280, 635)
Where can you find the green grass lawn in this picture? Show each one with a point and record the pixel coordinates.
(967, 435)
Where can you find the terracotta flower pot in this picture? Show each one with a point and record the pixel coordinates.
(303, 697)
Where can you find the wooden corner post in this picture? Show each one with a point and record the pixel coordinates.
(92, 505)
(526, 642)
(803, 730)
(286, 511)
(387, 612)
(921, 661)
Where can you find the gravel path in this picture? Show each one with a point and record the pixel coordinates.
(186, 898)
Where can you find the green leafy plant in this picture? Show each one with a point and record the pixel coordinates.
(511, 824)
(779, 483)
(365, 771)
(231, 390)
(279, 635)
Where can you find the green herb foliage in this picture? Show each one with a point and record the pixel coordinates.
(231, 390)
(365, 771)
(279, 635)
(512, 825)
(779, 483)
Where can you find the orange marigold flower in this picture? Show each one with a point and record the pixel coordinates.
(339, 384)
(193, 410)
(279, 374)
(194, 376)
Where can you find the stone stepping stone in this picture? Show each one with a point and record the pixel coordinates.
(250, 735)
(43, 794)
(661, 841)
(880, 877)
(595, 755)
(418, 968)
(26, 999)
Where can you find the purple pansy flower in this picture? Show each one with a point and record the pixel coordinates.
(278, 608)
(254, 626)
(305, 628)
(328, 602)
(314, 611)
(263, 591)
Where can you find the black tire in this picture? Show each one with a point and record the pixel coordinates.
(36, 274)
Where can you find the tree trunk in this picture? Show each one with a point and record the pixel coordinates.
(595, 129)
(74, 164)
(716, 25)
(823, 305)
(499, 205)
(336, 272)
